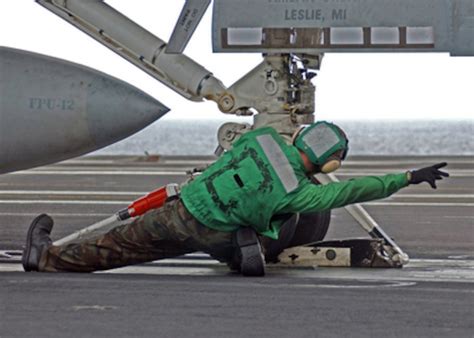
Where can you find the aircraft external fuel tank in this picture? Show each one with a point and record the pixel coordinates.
(52, 110)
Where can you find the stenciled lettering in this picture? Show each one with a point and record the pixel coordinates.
(183, 20)
(304, 15)
(43, 103)
(339, 14)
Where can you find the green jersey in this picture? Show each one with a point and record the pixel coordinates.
(262, 177)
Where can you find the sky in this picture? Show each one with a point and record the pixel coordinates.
(349, 86)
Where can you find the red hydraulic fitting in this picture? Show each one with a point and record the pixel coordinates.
(153, 200)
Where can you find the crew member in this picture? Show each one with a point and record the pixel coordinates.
(236, 199)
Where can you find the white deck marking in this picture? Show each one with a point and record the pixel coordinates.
(419, 204)
(64, 202)
(108, 202)
(378, 172)
(428, 195)
(73, 192)
(101, 172)
(167, 160)
(418, 270)
(109, 168)
(94, 307)
(119, 162)
(403, 162)
(140, 193)
(181, 171)
(188, 162)
(371, 285)
(54, 214)
(85, 161)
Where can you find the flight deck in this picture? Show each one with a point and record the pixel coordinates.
(195, 296)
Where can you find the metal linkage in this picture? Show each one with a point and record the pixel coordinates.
(138, 46)
(279, 89)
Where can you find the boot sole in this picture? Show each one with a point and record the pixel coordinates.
(252, 260)
(27, 252)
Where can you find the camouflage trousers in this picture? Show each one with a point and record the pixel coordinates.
(166, 232)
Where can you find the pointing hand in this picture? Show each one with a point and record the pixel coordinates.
(428, 174)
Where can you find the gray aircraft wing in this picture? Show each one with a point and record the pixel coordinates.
(190, 16)
(316, 26)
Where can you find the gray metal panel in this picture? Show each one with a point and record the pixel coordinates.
(327, 13)
(340, 26)
(188, 20)
(463, 27)
(51, 110)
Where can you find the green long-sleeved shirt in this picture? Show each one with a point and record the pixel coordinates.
(262, 177)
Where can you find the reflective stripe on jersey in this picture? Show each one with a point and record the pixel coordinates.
(279, 162)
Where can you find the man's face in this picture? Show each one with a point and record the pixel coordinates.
(310, 168)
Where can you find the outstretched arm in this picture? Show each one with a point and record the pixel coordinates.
(335, 195)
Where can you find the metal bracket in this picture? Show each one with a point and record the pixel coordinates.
(359, 252)
(230, 132)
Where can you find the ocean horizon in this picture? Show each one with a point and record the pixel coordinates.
(380, 137)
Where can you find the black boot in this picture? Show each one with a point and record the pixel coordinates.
(37, 241)
(252, 262)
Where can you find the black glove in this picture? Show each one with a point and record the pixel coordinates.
(428, 174)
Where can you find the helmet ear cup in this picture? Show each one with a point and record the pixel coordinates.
(332, 164)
